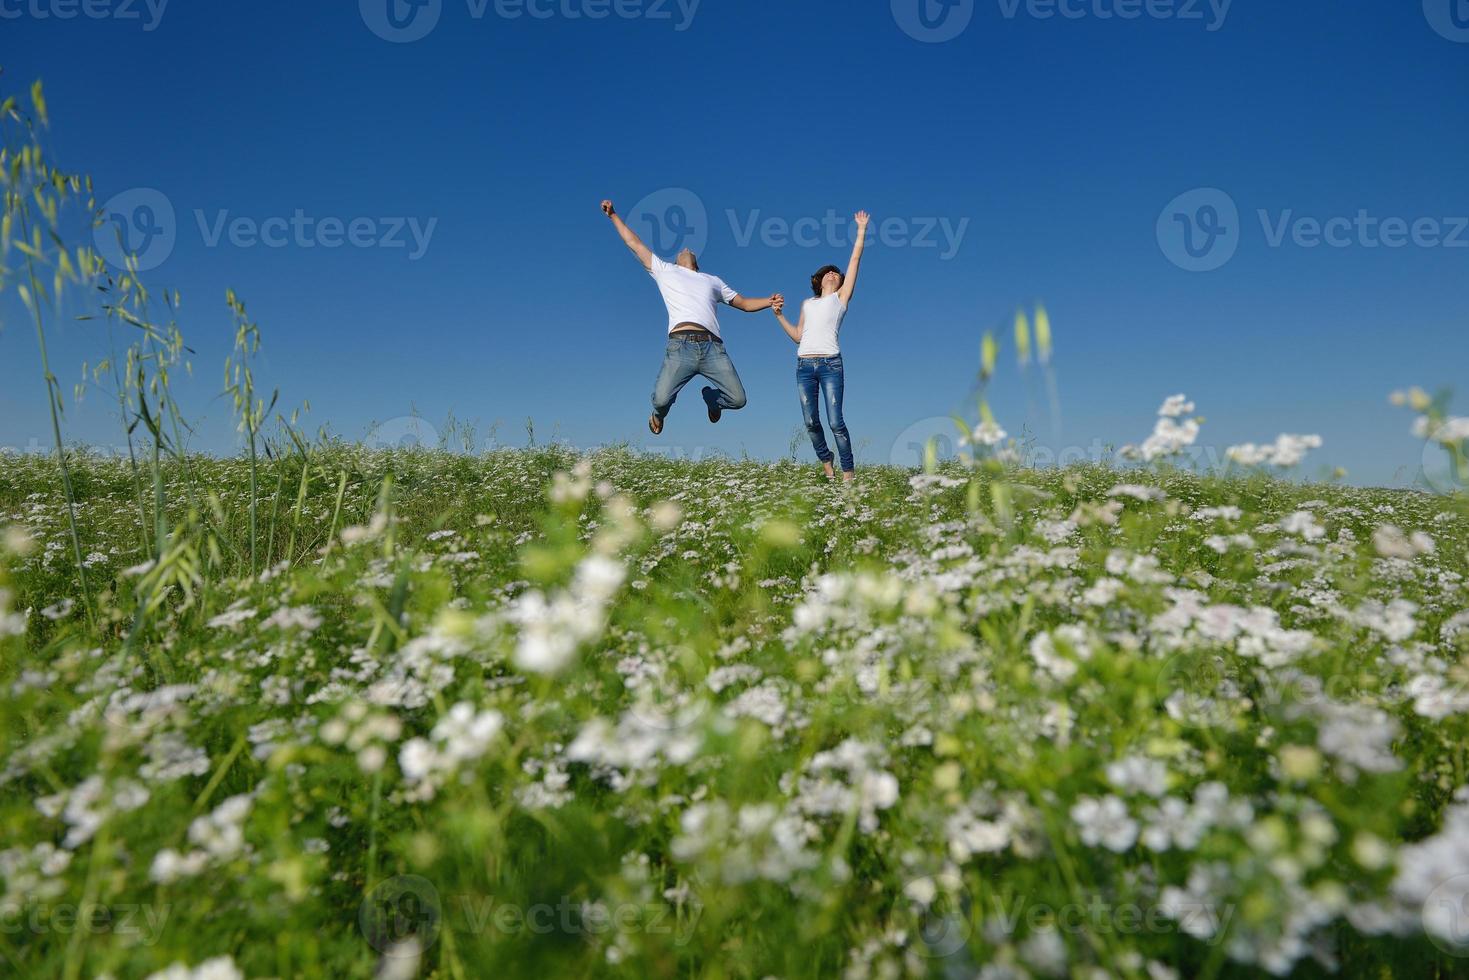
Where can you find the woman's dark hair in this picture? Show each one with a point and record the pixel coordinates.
(821, 274)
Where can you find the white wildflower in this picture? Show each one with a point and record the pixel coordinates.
(1285, 452)
(1104, 823)
(1390, 542)
(1303, 523)
(218, 968)
(1175, 406)
(1138, 774)
(302, 618)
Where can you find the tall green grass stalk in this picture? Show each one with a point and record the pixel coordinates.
(239, 380)
(34, 194)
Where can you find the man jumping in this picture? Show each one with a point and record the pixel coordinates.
(694, 344)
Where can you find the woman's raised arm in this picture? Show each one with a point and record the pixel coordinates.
(849, 284)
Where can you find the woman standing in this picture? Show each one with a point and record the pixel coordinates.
(819, 372)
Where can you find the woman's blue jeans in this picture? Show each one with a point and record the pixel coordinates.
(818, 379)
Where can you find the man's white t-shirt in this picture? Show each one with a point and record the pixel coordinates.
(822, 322)
(690, 296)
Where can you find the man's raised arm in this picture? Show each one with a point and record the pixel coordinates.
(629, 237)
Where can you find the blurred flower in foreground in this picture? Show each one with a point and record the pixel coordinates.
(1170, 437)
(1287, 451)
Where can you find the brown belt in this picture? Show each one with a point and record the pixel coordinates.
(699, 336)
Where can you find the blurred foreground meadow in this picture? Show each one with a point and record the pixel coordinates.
(322, 710)
(537, 713)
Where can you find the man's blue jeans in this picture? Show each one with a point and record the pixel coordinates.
(819, 378)
(682, 359)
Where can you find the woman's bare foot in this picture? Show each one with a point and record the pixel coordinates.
(848, 476)
(829, 470)
(655, 425)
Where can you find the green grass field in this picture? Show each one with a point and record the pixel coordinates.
(531, 714)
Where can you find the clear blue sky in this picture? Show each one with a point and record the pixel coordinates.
(1055, 142)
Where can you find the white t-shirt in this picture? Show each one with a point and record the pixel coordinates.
(690, 296)
(823, 321)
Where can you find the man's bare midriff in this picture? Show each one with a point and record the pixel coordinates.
(686, 327)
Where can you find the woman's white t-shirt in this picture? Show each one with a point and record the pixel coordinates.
(823, 321)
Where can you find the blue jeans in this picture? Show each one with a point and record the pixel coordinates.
(682, 359)
(818, 378)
